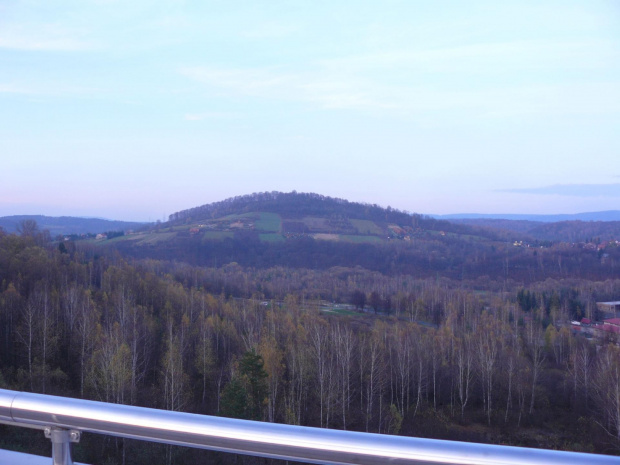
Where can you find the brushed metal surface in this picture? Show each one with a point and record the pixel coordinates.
(273, 440)
(6, 401)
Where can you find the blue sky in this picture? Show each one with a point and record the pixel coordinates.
(135, 110)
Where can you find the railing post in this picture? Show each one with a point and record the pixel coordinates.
(61, 444)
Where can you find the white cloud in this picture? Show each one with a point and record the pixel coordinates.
(481, 58)
(271, 83)
(576, 190)
(44, 89)
(13, 89)
(209, 115)
(246, 81)
(36, 37)
(489, 79)
(270, 30)
(334, 88)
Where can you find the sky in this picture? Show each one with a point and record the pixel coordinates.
(136, 110)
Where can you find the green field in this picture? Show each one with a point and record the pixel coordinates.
(360, 239)
(269, 222)
(366, 227)
(119, 239)
(137, 238)
(341, 311)
(152, 239)
(170, 229)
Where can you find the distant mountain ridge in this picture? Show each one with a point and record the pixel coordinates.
(608, 215)
(563, 231)
(65, 225)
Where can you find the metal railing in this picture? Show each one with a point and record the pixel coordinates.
(64, 419)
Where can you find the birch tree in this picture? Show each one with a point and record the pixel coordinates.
(464, 358)
(535, 348)
(607, 390)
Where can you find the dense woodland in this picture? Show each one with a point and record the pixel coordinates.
(290, 204)
(427, 255)
(566, 231)
(447, 337)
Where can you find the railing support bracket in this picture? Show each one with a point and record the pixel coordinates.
(61, 444)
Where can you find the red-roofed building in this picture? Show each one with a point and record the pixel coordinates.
(605, 331)
(609, 309)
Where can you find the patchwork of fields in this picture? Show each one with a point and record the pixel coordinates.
(270, 227)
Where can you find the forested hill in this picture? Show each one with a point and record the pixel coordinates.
(292, 205)
(297, 206)
(67, 224)
(311, 231)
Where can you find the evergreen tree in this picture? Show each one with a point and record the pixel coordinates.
(246, 394)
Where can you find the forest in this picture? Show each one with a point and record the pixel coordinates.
(486, 360)
(567, 231)
(428, 256)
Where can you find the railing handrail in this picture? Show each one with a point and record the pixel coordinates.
(287, 442)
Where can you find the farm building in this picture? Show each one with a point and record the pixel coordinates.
(609, 309)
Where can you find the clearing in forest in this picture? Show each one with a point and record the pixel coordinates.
(367, 227)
